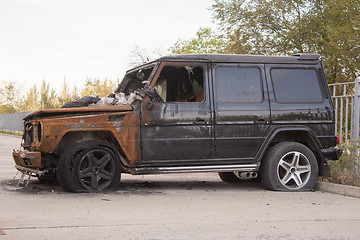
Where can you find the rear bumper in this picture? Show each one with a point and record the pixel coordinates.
(328, 154)
(27, 159)
(331, 153)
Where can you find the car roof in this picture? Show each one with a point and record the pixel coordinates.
(307, 58)
(236, 58)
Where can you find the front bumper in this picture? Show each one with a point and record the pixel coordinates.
(30, 171)
(27, 159)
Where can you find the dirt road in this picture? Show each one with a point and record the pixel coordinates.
(178, 206)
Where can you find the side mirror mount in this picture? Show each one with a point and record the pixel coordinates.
(150, 106)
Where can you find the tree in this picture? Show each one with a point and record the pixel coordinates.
(10, 97)
(335, 34)
(263, 26)
(31, 102)
(138, 56)
(65, 94)
(47, 96)
(44, 99)
(97, 87)
(141, 55)
(283, 27)
(205, 41)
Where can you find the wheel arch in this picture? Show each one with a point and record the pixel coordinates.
(75, 137)
(301, 135)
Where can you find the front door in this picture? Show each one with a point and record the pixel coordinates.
(177, 131)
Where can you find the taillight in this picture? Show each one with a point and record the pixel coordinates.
(337, 140)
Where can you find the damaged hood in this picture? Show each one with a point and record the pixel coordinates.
(78, 110)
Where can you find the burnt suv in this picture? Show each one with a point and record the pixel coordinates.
(239, 115)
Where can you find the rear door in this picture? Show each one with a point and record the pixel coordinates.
(242, 112)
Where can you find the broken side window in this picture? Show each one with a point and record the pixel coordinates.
(134, 80)
(181, 84)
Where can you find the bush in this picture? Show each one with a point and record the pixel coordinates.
(346, 169)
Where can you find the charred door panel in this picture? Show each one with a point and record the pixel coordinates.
(242, 113)
(178, 130)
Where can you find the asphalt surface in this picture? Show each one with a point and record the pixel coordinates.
(177, 206)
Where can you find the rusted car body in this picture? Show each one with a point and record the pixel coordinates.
(189, 117)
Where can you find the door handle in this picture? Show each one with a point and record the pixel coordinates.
(199, 121)
(260, 121)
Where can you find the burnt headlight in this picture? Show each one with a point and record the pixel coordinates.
(32, 133)
(38, 127)
(28, 134)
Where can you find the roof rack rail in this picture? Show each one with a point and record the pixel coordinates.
(307, 56)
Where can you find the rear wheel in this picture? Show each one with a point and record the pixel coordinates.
(89, 167)
(289, 166)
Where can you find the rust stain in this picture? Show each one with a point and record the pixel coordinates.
(27, 159)
(50, 126)
(56, 127)
(129, 138)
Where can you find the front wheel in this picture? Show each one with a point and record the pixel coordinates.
(289, 166)
(89, 167)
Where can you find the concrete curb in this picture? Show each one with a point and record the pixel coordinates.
(346, 190)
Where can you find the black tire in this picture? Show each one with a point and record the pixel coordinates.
(229, 177)
(89, 167)
(289, 166)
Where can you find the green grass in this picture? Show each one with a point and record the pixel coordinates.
(16, 133)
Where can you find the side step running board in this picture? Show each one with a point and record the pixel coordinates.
(190, 169)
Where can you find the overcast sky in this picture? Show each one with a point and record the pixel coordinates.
(76, 39)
